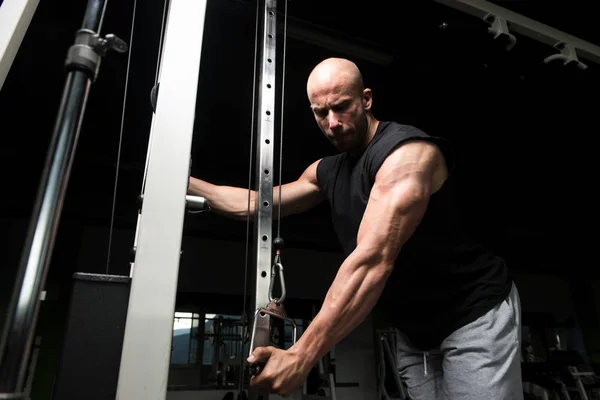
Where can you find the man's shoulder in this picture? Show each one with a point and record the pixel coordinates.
(403, 133)
(396, 128)
(391, 135)
(329, 160)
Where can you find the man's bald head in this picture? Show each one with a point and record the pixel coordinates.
(341, 104)
(338, 74)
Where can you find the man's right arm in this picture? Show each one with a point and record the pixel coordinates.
(232, 202)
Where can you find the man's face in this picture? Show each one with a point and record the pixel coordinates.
(339, 110)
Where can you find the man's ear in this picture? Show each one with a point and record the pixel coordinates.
(367, 99)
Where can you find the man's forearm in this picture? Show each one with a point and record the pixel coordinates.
(351, 297)
(229, 201)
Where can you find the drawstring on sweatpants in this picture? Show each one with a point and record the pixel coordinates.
(425, 354)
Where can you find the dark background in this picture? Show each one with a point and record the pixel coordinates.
(523, 130)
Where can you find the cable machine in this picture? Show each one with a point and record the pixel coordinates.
(153, 285)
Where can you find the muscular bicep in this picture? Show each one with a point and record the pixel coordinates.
(399, 198)
(416, 160)
(300, 195)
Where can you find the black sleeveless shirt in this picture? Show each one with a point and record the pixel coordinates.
(442, 278)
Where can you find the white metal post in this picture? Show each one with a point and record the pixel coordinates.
(146, 350)
(15, 17)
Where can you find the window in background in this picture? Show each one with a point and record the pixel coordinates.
(184, 348)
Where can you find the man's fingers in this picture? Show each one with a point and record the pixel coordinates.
(258, 359)
(260, 354)
(255, 368)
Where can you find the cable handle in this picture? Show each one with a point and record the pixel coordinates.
(276, 311)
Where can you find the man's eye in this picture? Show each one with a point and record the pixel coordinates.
(340, 107)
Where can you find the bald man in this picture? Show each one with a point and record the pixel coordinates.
(455, 310)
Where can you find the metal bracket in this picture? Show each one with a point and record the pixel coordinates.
(499, 27)
(567, 55)
(525, 26)
(89, 48)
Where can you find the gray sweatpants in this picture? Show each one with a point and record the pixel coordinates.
(480, 361)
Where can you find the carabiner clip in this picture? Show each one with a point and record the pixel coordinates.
(277, 269)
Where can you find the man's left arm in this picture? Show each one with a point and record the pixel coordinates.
(397, 203)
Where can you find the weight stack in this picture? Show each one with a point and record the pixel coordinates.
(91, 353)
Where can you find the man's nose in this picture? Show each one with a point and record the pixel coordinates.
(334, 121)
